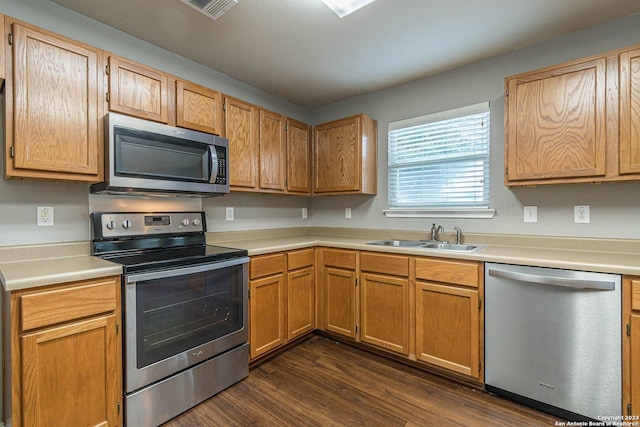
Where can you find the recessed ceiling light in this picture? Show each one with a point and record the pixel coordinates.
(345, 7)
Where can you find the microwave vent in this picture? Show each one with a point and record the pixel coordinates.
(214, 9)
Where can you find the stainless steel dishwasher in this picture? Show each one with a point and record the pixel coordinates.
(553, 339)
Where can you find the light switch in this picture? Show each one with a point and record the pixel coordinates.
(530, 214)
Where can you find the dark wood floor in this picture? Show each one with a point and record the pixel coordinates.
(324, 383)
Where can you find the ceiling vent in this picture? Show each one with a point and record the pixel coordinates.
(214, 9)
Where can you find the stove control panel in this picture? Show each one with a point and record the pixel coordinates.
(132, 224)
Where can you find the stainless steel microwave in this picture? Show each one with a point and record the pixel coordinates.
(149, 158)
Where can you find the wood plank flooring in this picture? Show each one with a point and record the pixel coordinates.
(324, 383)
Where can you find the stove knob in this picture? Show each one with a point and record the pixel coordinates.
(111, 225)
(126, 224)
(196, 222)
(184, 222)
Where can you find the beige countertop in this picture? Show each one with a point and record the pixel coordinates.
(24, 267)
(31, 266)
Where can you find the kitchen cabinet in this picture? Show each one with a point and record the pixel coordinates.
(631, 345)
(298, 157)
(630, 111)
(267, 305)
(53, 118)
(65, 354)
(272, 146)
(556, 124)
(301, 299)
(198, 108)
(385, 304)
(449, 315)
(137, 90)
(339, 285)
(345, 156)
(2, 55)
(241, 128)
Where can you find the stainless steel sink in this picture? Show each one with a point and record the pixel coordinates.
(398, 243)
(452, 247)
(427, 244)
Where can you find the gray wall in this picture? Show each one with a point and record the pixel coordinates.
(614, 207)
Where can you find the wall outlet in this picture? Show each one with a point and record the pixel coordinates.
(530, 214)
(45, 216)
(581, 214)
(304, 213)
(347, 213)
(229, 214)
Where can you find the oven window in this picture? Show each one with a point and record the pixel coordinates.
(179, 313)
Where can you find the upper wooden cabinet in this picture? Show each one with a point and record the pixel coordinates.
(298, 157)
(575, 122)
(2, 54)
(137, 90)
(630, 112)
(272, 146)
(241, 128)
(53, 114)
(345, 156)
(555, 123)
(198, 107)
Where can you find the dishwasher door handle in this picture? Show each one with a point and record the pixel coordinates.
(600, 285)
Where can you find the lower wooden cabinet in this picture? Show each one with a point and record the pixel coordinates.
(281, 299)
(301, 293)
(339, 287)
(631, 345)
(65, 355)
(449, 315)
(384, 295)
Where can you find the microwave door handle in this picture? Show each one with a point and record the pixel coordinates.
(213, 166)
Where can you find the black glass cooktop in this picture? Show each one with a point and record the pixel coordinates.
(157, 259)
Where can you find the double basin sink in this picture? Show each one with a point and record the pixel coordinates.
(428, 244)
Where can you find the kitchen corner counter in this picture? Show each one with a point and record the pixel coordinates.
(617, 256)
(29, 266)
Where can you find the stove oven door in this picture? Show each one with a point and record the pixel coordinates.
(181, 317)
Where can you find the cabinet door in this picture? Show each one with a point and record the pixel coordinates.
(340, 301)
(138, 91)
(630, 112)
(69, 375)
(241, 128)
(635, 363)
(272, 151)
(301, 302)
(337, 156)
(55, 108)
(447, 327)
(385, 312)
(556, 123)
(2, 52)
(298, 157)
(198, 108)
(266, 311)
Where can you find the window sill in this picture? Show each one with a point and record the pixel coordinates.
(477, 213)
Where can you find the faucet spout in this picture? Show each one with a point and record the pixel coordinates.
(458, 235)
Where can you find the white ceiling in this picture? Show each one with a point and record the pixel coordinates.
(299, 50)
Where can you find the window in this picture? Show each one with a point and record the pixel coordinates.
(440, 161)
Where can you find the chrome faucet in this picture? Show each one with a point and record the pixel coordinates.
(435, 231)
(458, 235)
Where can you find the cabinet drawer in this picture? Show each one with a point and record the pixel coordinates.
(466, 273)
(340, 258)
(300, 259)
(385, 264)
(635, 295)
(266, 265)
(83, 299)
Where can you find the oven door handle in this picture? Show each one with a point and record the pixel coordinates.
(181, 271)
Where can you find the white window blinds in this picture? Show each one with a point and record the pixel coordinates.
(440, 160)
